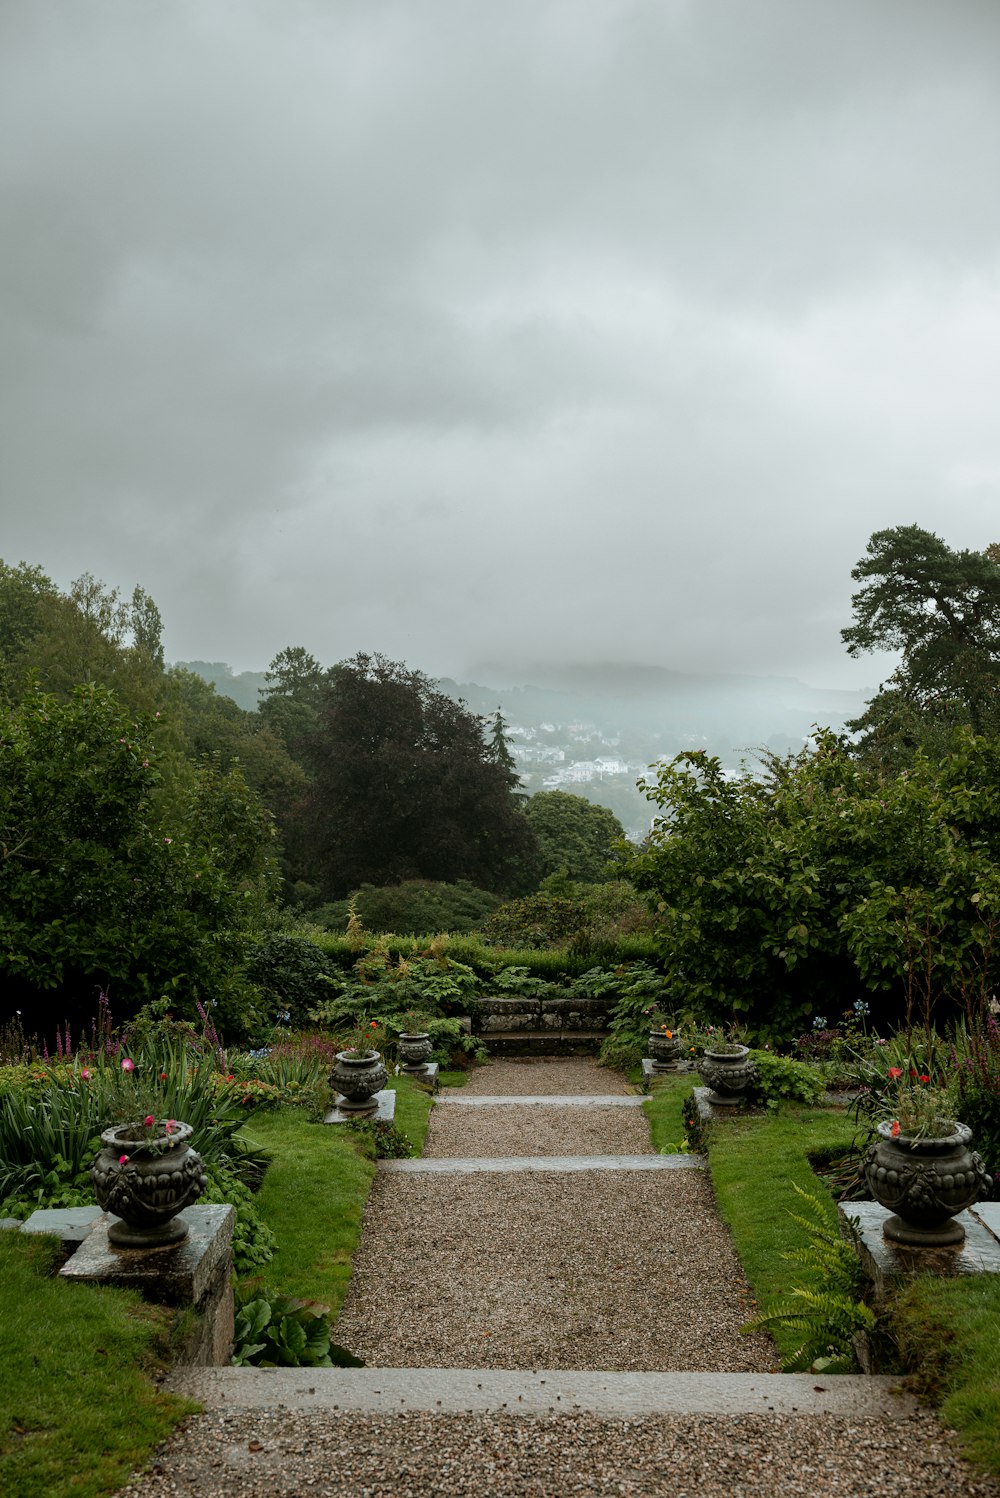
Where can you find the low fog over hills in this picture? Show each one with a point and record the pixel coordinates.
(593, 730)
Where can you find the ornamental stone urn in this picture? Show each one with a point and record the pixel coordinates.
(415, 1048)
(357, 1076)
(925, 1183)
(145, 1175)
(664, 1049)
(728, 1071)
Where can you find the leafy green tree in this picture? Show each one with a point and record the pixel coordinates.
(417, 907)
(941, 608)
(575, 836)
(790, 896)
(405, 788)
(95, 890)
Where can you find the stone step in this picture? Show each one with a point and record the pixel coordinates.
(544, 1042)
(540, 1100)
(458, 1165)
(458, 1390)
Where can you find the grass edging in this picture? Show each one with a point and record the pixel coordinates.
(78, 1413)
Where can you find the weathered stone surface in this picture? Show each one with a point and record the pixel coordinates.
(71, 1225)
(179, 1274)
(384, 1111)
(886, 1263)
(508, 1006)
(579, 1013)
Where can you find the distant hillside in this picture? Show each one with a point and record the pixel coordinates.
(243, 688)
(594, 730)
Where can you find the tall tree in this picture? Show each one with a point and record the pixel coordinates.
(405, 787)
(575, 836)
(941, 608)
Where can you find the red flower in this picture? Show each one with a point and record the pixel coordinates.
(894, 1072)
(913, 1071)
(924, 1077)
(895, 1128)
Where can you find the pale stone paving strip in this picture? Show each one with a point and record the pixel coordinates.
(563, 1076)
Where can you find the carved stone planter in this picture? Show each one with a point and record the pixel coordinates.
(664, 1049)
(729, 1073)
(145, 1179)
(357, 1079)
(925, 1183)
(415, 1048)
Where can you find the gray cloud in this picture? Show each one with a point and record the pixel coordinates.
(603, 331)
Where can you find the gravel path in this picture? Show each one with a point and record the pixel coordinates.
(603, 1271)
(598, 1270)
(477, 1132)
(284, 1455)
(522, 1077)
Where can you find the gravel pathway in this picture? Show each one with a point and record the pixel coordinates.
(607, 1271)
(284, 1455)
(522, 1077)
(477, 1132)
(597, 1270)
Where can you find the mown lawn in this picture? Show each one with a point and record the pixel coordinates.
(77, 1413)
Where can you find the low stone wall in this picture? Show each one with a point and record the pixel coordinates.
(506, 1016)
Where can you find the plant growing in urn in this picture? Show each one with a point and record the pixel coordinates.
(922, 1168)
(145, 1175)
(664, 1043)
(359, 1071)
(726, 1068)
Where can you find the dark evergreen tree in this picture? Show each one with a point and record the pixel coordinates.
(941, 608)
(405, 787)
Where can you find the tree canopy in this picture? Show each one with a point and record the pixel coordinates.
(405, 787)
(941, 608)
(575, 836)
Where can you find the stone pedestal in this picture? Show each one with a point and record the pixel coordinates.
(384, 1111)
(426, 1075)
(71, 1225)
(886, 1263)
(194, 1273)
(651, 1071)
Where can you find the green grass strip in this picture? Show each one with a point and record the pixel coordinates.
(665, 1114)
(754, 1163)
(949, 1336)
(77, 1413)
(314, 1193)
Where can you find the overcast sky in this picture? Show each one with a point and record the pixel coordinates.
(588, 330)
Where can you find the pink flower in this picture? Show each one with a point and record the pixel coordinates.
(122, 1159)
(894, 1072)
(85, 1073)
(128, 1064)
(171, 1125)
(149, 1120)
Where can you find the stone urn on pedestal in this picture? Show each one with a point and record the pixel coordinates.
(664, 1048)
(415, 1047)
(145, 1175)
(357, 1076)
(727, 1069)
(925, 1182)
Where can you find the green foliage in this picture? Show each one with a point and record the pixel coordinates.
(381, 1139)
(827, 1317)
(253, 1241)
(778, 896)
(782, 1079)
(405, 787)
(92, 888)
(412, 908)
(941, 608)
(642, 994)
(282, 1331)
(292, 975)
(975, 1087)
(575, 836)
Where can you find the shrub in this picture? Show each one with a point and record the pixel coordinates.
(412, 908)
(780, 1079)
(292, 974)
